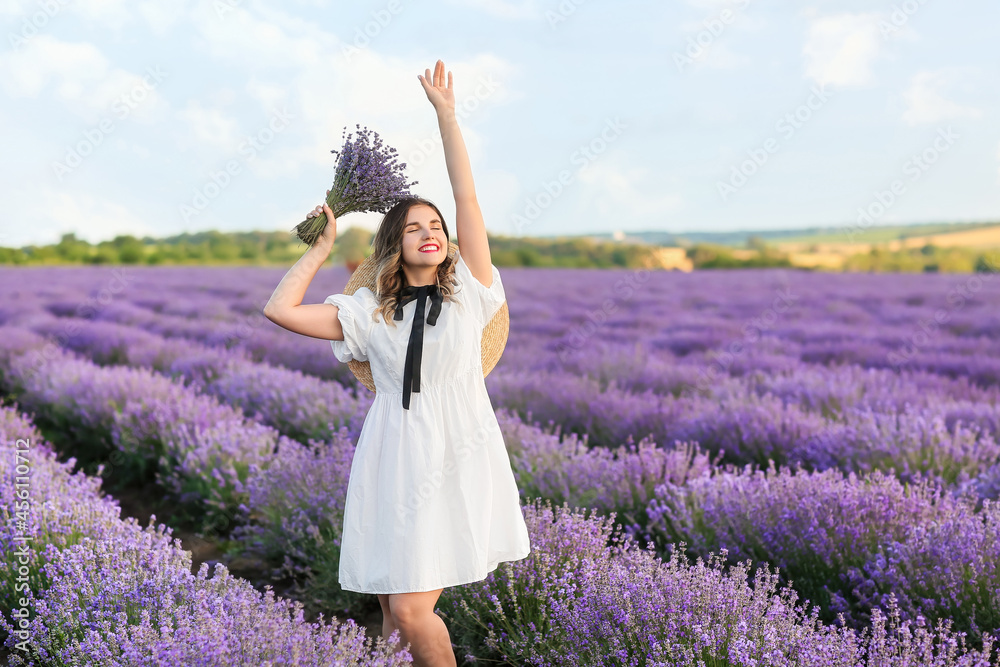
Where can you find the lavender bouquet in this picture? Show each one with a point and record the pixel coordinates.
(367, 178)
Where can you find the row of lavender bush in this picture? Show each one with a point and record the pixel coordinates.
(954, 440)
(298, 405)
(102, 591)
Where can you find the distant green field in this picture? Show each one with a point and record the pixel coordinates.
(740, 238)
(878, 234)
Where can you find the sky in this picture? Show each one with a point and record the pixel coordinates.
(580, 117)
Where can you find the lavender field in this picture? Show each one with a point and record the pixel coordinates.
(717, 468)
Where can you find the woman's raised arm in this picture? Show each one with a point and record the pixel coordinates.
(469, 224)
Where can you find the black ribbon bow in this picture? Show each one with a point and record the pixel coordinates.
(415, 346)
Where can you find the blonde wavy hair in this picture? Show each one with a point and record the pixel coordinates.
(387, 253)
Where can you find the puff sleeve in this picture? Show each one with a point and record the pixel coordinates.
(355, 317)
(484, 301)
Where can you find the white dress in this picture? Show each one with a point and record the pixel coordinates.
(431, 500)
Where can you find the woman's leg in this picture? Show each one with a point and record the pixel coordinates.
(413, 614)
(388, 625)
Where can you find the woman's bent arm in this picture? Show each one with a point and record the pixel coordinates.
(285, 308)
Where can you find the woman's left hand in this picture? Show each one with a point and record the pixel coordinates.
(441, 96)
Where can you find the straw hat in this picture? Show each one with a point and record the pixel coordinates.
(494, 335)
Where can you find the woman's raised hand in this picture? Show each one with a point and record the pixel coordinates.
(329, 233)
(442, 96)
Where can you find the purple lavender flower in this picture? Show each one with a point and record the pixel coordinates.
(368, 177)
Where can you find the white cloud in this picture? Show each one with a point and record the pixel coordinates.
(716, 5)
(326, 91)
(46, 213)
(627, 192)
(34, 16)
(160, 17)
(841, 49)
(736, 13)
(505, 9)
(13, 7)
(210, 125)
(113, 14)
(706, 42)
(926, 102)
(27, 71)
(81, 76)
(132, 147)
(269, 95)
(719, 56)
(271, 40)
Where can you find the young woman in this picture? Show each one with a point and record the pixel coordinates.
(431, 500)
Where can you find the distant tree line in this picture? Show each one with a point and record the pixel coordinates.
(760, 255)
(281, 248)
(354, 243)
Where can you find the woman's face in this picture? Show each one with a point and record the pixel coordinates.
(423, 228)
